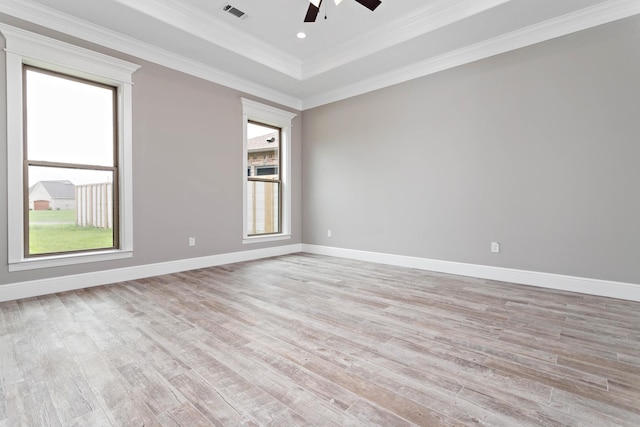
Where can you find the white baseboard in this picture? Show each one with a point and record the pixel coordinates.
(626, 291)
(34, 288)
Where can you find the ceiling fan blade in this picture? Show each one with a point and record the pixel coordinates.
(312, 12)
(370, 4)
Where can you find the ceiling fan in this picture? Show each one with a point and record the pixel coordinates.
(314, 7)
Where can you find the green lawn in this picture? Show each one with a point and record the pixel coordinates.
(52, 216)
(55, 231)
(67, 237)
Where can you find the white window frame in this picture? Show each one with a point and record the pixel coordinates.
(23, 47)
(261, 113)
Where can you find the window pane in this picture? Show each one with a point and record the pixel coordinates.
(263, 204)
(266, 171)
(70, 210)
(69, 121)
(263, 151)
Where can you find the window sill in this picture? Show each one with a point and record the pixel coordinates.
(70, 259)
(269, 238)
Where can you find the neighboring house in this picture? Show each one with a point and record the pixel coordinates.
(56, 195)
(263, 155)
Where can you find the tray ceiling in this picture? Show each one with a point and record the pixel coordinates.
(352, 51)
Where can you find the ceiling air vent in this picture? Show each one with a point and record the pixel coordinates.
(234, 11)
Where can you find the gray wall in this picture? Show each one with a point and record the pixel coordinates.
(187, 170)
(538, 149)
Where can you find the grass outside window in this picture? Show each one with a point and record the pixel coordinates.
(53, 231)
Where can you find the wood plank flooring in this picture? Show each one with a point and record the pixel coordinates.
(306, 340)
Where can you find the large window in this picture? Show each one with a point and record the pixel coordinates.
(267, 180)
(68, 153)
(70, 164)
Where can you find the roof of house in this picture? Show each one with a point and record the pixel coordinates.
(62, 189)
(260, 143)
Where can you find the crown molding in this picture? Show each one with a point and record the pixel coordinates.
(566, 24)
(585, 18)
(430, 18)
(219, 32)
(72, 26)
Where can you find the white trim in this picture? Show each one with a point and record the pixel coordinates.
(218, 32)
(23, 47)
(68, 259)
(38, 50)
(256, 111)
(266, 113)
(268, 238)
(432, 16)
(14, 159)
(221, 33)
(626, 291)
(33, 288)
(599, 14)
(84, 30)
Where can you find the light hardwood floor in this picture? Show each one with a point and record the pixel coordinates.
(310, 340)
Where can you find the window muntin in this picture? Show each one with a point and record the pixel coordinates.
(264, 185)
(70, 162)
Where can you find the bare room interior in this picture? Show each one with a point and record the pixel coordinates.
(320, 213)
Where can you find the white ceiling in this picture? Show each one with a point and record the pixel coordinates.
(352, 51)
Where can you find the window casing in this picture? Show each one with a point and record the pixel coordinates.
(267, 185)
(24, 48)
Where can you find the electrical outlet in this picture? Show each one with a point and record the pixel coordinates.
(329, 233)
(495, 247)
(192, 241)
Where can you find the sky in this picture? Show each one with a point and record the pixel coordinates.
(69, 122)
(254, 130)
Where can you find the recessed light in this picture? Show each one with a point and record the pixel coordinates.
(301, 35)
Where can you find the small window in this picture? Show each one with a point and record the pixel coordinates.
(267, 180)
(264, 190)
